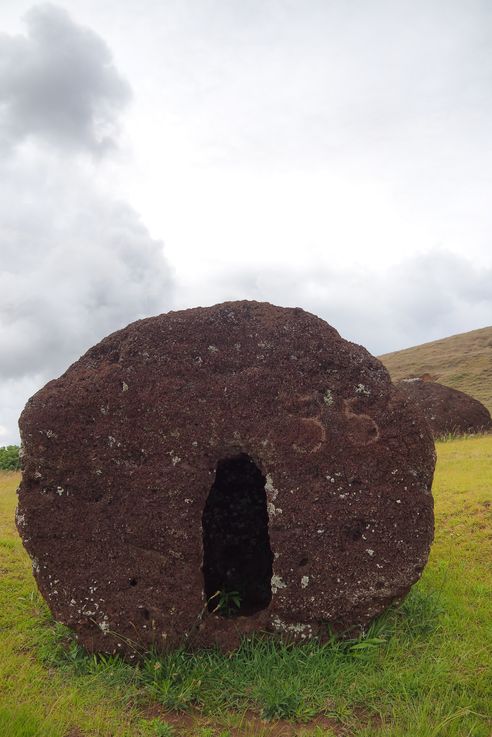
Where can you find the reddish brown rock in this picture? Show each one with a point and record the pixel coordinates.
(447, 410)
(242, 448)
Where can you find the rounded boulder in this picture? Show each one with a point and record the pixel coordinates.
(448, 411)
(210, 473)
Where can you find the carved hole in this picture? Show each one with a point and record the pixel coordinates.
(237, 557)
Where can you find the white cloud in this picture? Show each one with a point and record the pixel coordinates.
(425, 297)
(13, 396)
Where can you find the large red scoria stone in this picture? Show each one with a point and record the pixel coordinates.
(244, 449)
(447, 410)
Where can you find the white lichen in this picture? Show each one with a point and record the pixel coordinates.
(124, 386)
(273, 510)
(19, 518)
(269, 487)
(362, 389)
(328, 397)
(277, 583)
(295, 628)
(304, 581)
(175, 459)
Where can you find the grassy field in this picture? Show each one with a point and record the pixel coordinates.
(423, 670)
(462, 361)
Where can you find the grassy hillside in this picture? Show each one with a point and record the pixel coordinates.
(462, 361)
(424, 669)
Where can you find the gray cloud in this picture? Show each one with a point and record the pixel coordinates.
(76, 265)
(426, 297)
(76, 262)
(58, 84)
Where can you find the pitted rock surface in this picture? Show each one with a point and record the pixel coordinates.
(447, 410)
(212, 472)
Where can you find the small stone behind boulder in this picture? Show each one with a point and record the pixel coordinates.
(448, 411)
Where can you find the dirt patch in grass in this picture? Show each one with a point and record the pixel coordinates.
(248, 724)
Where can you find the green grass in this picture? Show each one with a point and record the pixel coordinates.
(423, 670)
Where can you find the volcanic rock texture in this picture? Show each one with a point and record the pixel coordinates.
(209, 473)
(448, 411)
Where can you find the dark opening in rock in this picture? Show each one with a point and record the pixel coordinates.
(237, 557)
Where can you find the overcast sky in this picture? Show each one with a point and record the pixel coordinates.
(330, 154)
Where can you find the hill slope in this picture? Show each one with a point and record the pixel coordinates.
(461, 361)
